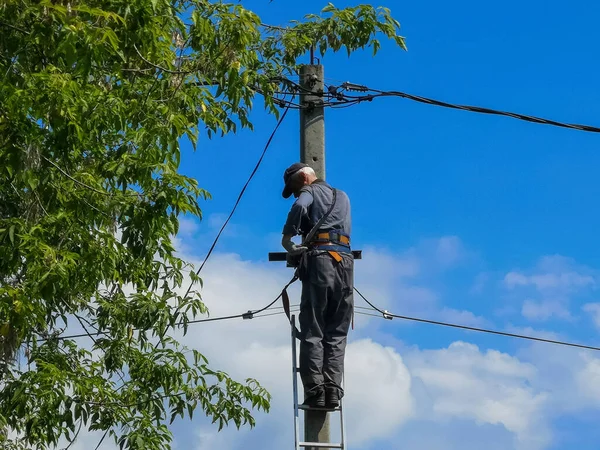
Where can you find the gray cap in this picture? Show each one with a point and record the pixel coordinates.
(287, 191)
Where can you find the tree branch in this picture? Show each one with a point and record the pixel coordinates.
(40, 202)
(81, 183)
(21, 30)
(96, 209)
(93, 189)
(163, 69)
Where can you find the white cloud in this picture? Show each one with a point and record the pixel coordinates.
(533, 332)
(545, 281)
(593, 309)
(462, 317)
(553, 273)
(544, 310)
(378, 382)
(376, 261)
(480, 283)
(569, 377)
(438, 253)
(588, 378)
(550, 287)
(513, 279)
(490, 387)
(188, 226)
(449, 250)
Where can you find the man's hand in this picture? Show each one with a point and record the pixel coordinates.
(297, 250)
(292, 249)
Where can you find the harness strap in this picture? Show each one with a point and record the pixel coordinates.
(314, 229)
(331, 248)
(335, 255)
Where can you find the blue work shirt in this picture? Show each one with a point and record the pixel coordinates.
(312, 204)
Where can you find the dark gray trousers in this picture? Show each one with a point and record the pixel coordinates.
(326, 309)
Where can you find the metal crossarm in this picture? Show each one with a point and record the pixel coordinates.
(311, 445)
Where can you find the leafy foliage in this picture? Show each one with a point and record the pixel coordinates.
(95, 98)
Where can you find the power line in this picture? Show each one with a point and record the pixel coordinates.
(343, 98)
(247, 315)
(389, 316)
(212, 247)
(250, 314)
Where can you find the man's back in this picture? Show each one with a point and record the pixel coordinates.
(313, 203)
(340, 216)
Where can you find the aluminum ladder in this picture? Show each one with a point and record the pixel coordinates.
(298, 443)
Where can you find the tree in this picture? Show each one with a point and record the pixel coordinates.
(95, 98)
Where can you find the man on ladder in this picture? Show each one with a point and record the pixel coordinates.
(325, 266)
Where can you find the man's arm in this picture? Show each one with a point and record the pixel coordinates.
(288, 244)
(292, 225)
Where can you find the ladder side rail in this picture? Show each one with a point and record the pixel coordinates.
(295, 384)
(342, 427)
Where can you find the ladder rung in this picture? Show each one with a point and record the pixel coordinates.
(320, 444)
(318, 408)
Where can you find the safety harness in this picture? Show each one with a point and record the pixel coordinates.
(333, 242)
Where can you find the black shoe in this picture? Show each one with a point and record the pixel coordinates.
(314, 401)
(332, 398)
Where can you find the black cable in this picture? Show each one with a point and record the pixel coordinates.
(294, 278)
(214, 319)
(210, 319)
(477, 109)
(212, 247)
(251, 314)
(388, 315)
(282, 102)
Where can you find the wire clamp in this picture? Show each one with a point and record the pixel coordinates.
(248, 315)
(387, 315)
(354, 87)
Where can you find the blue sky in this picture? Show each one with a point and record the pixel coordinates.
(480, 220)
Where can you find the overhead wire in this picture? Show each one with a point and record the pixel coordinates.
(241, 194)
(483, 110)
(246, 316)
(370, 93)
(388, 315)
(335, 97)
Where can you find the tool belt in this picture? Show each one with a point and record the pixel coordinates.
(334, 242)
(334, 237)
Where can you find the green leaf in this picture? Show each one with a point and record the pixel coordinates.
(329, 8)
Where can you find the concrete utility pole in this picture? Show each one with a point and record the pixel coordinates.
(312, 118)
(312, 152)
